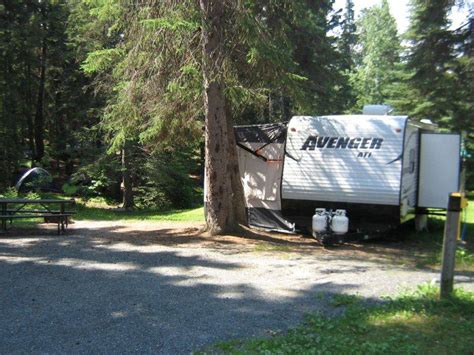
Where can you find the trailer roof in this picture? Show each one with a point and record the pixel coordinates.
(355, 116)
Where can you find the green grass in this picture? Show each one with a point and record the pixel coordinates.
(112, 214)
(413, 323)
(99, 210)
(102, 214)
(428, 245)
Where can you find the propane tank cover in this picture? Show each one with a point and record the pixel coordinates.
(340, 222)
(320, 221)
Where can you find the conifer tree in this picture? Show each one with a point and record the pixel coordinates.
(346, 46)
(156, 72)
(378, 56)
(429, 59)
(348, 37)
(41, 96)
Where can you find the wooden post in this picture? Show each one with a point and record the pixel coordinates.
(127, 177)
(451, 230)
(4, 214)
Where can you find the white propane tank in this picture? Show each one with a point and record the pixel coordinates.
(319, 221)
(340, 222)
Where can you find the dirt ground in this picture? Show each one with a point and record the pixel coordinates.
(163, 287)
(391, 250)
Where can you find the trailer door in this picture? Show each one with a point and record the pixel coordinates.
(440, 168)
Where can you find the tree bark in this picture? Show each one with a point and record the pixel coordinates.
(127, 179)
(39, 116)
(224, 200)
(28, 113)
(238, 198)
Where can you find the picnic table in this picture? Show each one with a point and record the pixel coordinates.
(52, 210)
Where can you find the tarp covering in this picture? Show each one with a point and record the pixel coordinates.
(265, 133)
(261, 152)
(255, 138)
(269, 219)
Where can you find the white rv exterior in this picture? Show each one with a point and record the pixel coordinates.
(381, 169)
(356, 159)
(440, 169)
(409, 175)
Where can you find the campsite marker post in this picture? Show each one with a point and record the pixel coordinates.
(451, 230)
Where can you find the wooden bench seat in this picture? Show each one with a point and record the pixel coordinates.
(43, 215)
(62, 219)
(35, 211)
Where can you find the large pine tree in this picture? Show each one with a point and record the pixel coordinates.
(346, 46)
(378, 56)
(429, 59)
(173, 56)
(41, 88)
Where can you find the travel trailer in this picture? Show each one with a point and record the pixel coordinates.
(363, 173)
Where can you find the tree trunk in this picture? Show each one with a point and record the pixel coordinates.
(224, 200)
(270, 108)
(127, 179)
(28, 113)
(39, 116)
(238, 198)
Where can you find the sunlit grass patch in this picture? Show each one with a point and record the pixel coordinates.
(428, 244)
(85, 212)
(412, 323)
(99, 210)
(102, 212)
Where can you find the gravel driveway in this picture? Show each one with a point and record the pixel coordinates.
(108, 287)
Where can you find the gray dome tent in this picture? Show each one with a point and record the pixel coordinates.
(35, 179)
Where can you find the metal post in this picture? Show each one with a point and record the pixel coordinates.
(451, 230)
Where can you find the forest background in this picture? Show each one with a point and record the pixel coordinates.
(107, 95)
